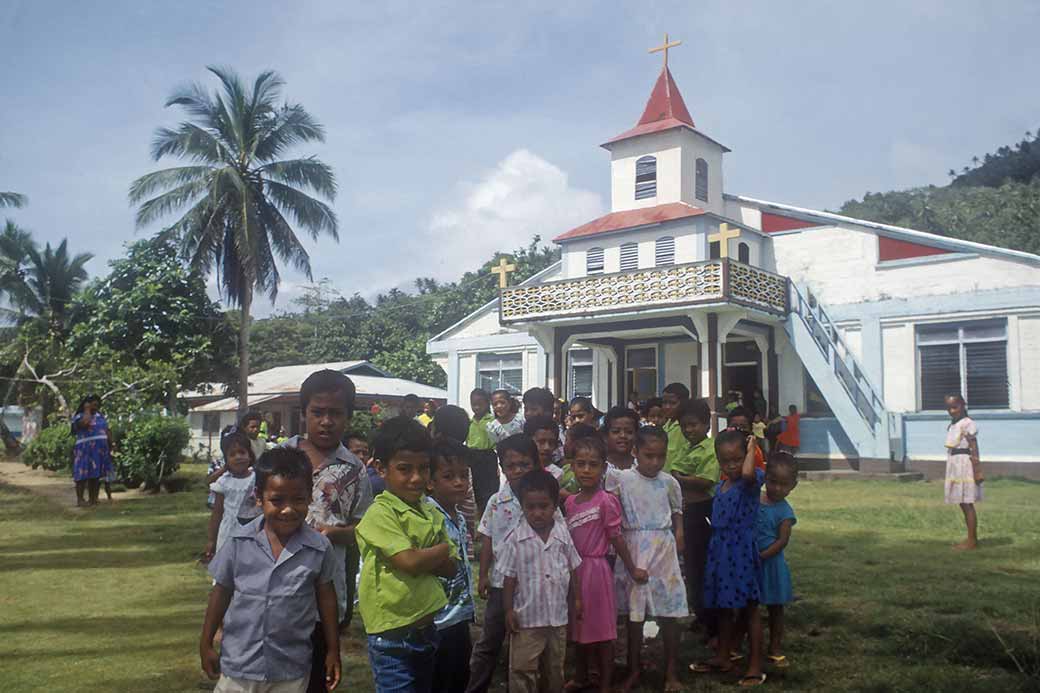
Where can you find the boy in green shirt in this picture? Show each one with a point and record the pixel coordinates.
(483, 460)
(674, 395)
(404, 549)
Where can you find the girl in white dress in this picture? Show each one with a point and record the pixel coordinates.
(234, 488)
(963, 471)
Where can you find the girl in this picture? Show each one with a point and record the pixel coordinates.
(92, 452)
(651, 505)
(594, 520)
(772, 533)
(653, 412)
(620, 425)
(963, 472)
(235, 491)
(731, 572)
(582, 411)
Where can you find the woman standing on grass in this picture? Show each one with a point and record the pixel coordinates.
(963, 471)
(92, 453)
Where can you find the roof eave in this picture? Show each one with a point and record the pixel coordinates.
(632, 134)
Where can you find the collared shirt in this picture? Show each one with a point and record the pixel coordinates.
(389, 598)
(502, 515)
(340, 496)
(499, 431)
(274, 606)
(478, 437)
(696, 460)
(543, 573)
(459, 589)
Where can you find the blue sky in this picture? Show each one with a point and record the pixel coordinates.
(459, 128)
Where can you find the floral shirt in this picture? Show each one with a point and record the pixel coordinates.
(458, 589)
(499, 431)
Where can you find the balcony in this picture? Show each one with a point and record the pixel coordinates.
(712, 281)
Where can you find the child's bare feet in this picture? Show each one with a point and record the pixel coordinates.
(965, 546)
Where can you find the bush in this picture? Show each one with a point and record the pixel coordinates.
(151, 449)
(51, 449)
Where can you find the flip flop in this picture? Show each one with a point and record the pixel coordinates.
(778, 661)
(752, 681)
(709, 668)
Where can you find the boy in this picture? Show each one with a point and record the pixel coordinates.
(539, 401)
(674, 395)
(341, 488)
(545, 433)
(358, 446)
(409, 406)
(483, 461)
(696, 469)
(273, 579)
(404, 549)
(517, 456)
(539, 561)
(452, 423)
(449, 481)
(251, 425)
(740, 419)
(789, 439)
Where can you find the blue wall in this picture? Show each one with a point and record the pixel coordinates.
(824, 436)
(1012, 436)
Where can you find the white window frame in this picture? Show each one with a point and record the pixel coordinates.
(591, 364)
(629, 256)
(657, 371)
(594, 260)
(501, 356)
(698, 178)
(961, 341)
(648, 188)
(658, 252)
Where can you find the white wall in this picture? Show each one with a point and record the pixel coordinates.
(1029, 361)
(690, 246)
(900, 369)
(678, 357)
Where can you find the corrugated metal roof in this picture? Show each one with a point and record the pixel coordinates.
(631, 218)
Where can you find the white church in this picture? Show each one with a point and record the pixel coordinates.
(863, 326)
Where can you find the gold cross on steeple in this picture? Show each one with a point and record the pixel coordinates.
(664, 48)
(502, 270)
(723, 237)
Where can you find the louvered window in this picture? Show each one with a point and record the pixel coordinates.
(629, 256)
(664, 252)
(646, 177)
(744, 253)
(963, 358)
(594, 261)
(500, 372)
(581, 373)
(701, 180)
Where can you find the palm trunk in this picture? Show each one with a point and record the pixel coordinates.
(243, 354)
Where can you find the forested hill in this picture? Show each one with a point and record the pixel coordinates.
(996, 200)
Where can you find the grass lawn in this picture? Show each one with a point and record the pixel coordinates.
(111, 599)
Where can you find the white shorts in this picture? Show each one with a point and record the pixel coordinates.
(227, 684)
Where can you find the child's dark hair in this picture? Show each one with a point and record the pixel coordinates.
(399, 434)
(444, 452)
(697, 408)
(650, 404)
(581, 430)
(956, 397)
(324, 381)
(288, 463)
(354, 436)
(539, 397)
(584, 402)
(677, 389)
(541, 423)
(539, 480)
(452, 422)
(518, 442)
(729, 437)
(410, 398)
(782, 459)
(505, 393)
(615, 413)
(647, 434)
(480, 392)
(250, 416)
(83, 405)
(593, 443)
(738, 412)
(237, 437)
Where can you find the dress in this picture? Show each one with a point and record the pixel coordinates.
(731, 573)
(593, 524)
(960, 477)
(648, 506)
(235, 490)
(91, 458)
(774, 579)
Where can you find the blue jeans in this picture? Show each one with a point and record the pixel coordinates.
(402, 659)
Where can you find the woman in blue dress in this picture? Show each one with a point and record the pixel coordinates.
(92, 453)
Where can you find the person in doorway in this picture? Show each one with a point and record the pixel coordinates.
(758, 401)
(92, 451)
(963, 470)
(790, 438)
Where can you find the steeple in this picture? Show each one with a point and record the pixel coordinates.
(666, 102)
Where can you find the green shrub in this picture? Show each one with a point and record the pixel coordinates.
(151, 449)
(51, 449)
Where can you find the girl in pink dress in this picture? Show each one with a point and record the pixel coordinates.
(594, 519)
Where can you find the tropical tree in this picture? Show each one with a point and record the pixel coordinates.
(13, 199)
(50, 280)
(240, 195)
(15, 244)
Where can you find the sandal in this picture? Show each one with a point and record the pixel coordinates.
(778, 661)
(709, 668)
(752, 681)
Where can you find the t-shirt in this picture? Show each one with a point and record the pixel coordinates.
(790, 435)
(479, 438)
(759, 429)
(696, 460)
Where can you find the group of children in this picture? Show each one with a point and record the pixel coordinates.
(579, 528)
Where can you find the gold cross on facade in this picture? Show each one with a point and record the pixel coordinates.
(664, 48)
(723, 237)
(502, 270)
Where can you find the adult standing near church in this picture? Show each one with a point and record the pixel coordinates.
(92, 452)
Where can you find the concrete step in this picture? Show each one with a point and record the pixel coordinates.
(837, 474)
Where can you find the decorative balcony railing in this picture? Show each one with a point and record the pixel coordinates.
(712, 281)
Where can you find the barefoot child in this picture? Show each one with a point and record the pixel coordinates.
(731, 571)
(404, 549)
(272, 581)
(538, 561)
(652, 520)
(772, 533)
(963, 471)
(234, 493)
(594, 520)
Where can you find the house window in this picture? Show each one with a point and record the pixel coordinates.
(664, 251)
(646, 177)
(969, 358)
(641, 372)
(211, 422)
(580, 373)
(701, 182)
(594, 261)
(713, 250)
(744, 253)
(629, 256)
(500, 372)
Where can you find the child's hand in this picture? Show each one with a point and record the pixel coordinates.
(640, 576)
(332, 670)
(210, 661)
(577, 609)
(482, 586)
(979, 476)
(211, 549)
(512, 622)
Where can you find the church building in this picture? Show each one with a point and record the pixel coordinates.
(862, 326)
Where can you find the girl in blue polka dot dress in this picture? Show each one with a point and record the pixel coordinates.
(731, 582)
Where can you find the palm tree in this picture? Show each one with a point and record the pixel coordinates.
(51, 279)
(12, 199)
(238, 191)
(15, 244)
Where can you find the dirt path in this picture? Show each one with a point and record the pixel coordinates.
(56, 487)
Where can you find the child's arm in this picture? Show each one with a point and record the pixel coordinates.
(435, 560)
(690, 482)
(976, 466)
(747, 472)
(677, 530)
(328, 611)
(621, 549)
(508, 592)
(783, 535)
(219, 599)
(215, 517)
(485, 567)
(213, 476)
(339, 535)
(576, 591)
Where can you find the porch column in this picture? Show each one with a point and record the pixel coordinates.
(773, 396)
(713, 369)
(558, 384)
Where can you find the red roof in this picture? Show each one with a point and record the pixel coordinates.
(616, 221)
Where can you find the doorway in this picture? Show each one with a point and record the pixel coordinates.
(742, 371)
